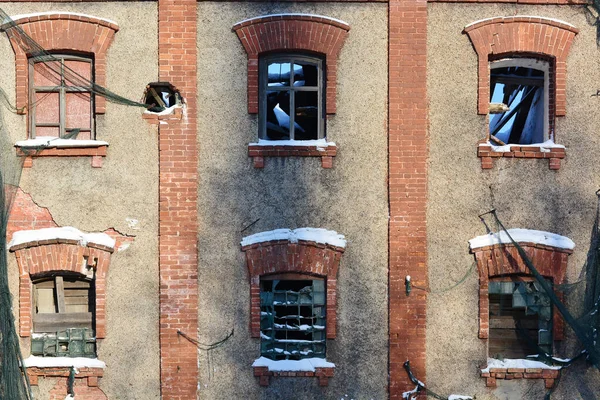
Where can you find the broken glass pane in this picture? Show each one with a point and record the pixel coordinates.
(306, 74)
(306, 125)
(279, 74)
(522, 90)
(278, 115)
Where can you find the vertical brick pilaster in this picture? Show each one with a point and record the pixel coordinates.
(178, 221)
(408, 149)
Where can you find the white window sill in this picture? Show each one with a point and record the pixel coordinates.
(63, 362)
(305, 365)
(54, 142)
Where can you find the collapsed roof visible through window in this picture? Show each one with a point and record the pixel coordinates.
(522, 89)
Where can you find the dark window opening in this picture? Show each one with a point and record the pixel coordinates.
(520, 320)
(291, 98)
(518, 109)
(161, 95)
(63, 318)
(292, 319)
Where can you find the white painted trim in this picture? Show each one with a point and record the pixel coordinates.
(522, 16)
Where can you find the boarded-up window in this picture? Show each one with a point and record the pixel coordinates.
(520, 320)
(292, 318)
(60, 99)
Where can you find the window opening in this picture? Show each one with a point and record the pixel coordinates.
(60, 108)
(292, 98)
(519, 101)
(63, 319)
(520, 320)
(292, 319)
(161, 95)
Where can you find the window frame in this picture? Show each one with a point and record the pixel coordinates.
(291, 58)
(535, 64)
(62, 90)
(322, 332)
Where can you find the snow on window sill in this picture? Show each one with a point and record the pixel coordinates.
(63, 362)
(510, 369)
(523, 236)
(318, 235)
(49, 146)
(546, 150)
(264, 368)
(292, 148)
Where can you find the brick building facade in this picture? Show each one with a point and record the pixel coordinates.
(288, 227)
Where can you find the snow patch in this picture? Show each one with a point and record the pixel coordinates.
(459, 397)
(319, 143)
(294, 15)
(124, 246)
(408, 395)
(22, 16)
(522, 16)
(523, 235)
(68, 362)
(318, 235)
(52, 141)
(544, 147)
(166, 111)
(515, 363)
(67, 233)
(133, 223)
(307, 364)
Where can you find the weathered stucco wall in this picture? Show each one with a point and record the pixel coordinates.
(93, 199)
(289, 193)
(525, 193)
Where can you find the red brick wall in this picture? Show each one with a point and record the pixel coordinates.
(25, 214)
(281, 256)
(64, 32)
(178, 219)
(530, 35)
(408, 147)
(292, 32)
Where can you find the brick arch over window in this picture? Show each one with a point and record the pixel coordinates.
(65, 32)
(501, 260)
(61, 255)
(285, 256)
(292, 32)
(510, 36)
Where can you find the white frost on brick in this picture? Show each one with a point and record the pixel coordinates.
(523, 16)
(52, 141)
(67, 233)
(68, 362)
(294, 15)
(544, 147)
(307, 364)
(315, 142)
(22, 16)
(515, 363)
(523, 235)
(318, 235)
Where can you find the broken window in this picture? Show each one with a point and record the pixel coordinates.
(292, 317)
(519, 101)
(291, 90)
(61, 107)
(520, 320)
(63, 318)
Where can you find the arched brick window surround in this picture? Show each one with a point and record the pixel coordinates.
(502, 260)
(57, 255)
(65, 32)
(496, 37)
(283, 256)
(292, 32)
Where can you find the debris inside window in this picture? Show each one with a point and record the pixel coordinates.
(517, 109)
(520, 320)
(159, 96)
(292, 319)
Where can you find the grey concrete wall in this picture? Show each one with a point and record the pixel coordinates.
(525, 193)
(289, 193)
(97, 199)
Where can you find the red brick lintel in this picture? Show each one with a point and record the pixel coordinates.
(259, 152)
(554, 155)
(97, 153)
(263, 374)
(548, 375)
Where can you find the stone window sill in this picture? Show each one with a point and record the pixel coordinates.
(553, 153)
(264, 369)
(548, 375)
(301, 148)
(34, 148)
